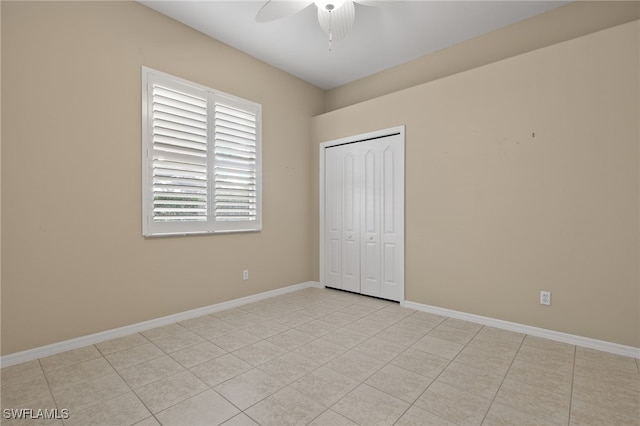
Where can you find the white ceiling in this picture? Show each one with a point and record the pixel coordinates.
(382, 37)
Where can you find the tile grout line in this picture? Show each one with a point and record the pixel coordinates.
(291, 351)
(256, 367)
(493, 400)
(573, 378)
(185, 369)
(209, 387)
(362, 382)
(351, 349)
(447, 366)
(103, 356)
(435, 326)
(125, 382)
(348, 350)
(49, 387)
(411, 404)
(84, 381)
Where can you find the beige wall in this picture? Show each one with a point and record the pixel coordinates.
(74, 259)
(573, 20)
(521, 176)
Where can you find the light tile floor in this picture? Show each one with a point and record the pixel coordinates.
(325, 357)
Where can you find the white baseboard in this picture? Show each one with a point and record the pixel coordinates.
(54, 348)
(572, 339)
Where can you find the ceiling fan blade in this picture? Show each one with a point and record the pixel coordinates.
(339, 22)
(276, 9)
(375, 3)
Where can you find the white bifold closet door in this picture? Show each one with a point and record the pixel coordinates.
(364, 217)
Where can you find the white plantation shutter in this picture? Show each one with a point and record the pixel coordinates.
(179, 156)
(201, 159)
(236, 170)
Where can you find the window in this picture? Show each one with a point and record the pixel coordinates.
(201, 168)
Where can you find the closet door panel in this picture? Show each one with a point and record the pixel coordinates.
(389, 265)
(333, 218)
(370, 283)
(392, 234)
(350, 221)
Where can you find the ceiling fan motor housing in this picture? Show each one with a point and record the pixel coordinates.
(329, 5)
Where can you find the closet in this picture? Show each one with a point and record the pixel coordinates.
(362, 214)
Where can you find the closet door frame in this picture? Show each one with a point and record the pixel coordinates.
(399, 130)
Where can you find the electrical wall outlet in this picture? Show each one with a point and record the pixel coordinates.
(245, 274)
(545, 298)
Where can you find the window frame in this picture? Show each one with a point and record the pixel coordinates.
(153, 228)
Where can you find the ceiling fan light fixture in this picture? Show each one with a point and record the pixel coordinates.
(329, 5)
(337, 24)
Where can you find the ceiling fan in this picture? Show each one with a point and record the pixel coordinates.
(335, 17)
